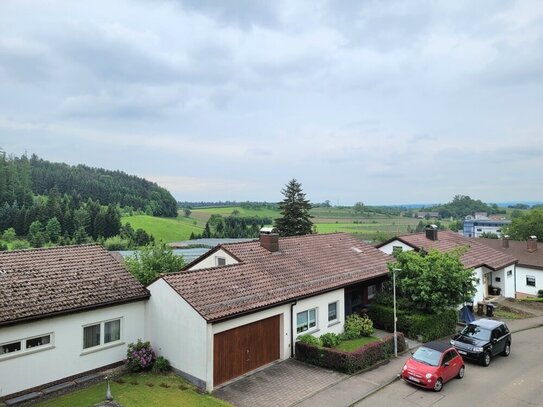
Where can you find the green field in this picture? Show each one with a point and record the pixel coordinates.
(366, 226)
(165, 229)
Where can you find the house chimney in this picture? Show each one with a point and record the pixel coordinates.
(532, 244)
(505, 241)
(269, 239)
(431, 232)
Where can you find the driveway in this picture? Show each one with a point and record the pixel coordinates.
(282, 384)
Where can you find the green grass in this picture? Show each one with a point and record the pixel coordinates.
(353, 344)
(139, 390)
(533, 299)
(203, 214)
(503, 314)
(165, 229)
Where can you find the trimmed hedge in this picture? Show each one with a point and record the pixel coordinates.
(427, 326)
(349, 362)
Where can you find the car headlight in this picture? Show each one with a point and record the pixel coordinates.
(428, 375)
(451, 341)
(404, 367)
(477, 349)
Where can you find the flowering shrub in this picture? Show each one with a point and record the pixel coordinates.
(139, 356)
(349, 362)
(356, 326)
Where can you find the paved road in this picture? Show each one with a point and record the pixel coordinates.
(516, 380)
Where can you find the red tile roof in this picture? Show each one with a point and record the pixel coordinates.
(518, 249)
(477, 255)
(303, 266)
(39, 283)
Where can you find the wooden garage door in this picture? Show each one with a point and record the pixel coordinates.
(242, 349)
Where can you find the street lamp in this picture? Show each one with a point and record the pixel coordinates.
(395, 319)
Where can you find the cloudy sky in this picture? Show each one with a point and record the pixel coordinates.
(376, 101)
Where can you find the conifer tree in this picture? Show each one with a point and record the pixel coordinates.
(295, 219)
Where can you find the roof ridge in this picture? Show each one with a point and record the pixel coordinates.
(51, 248)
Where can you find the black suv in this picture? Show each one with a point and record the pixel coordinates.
(482, 340)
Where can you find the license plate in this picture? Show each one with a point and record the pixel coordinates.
(413, 379)
(462, 352)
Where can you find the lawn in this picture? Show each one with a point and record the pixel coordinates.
(503, 314)
(533, 299)
(354, 344)
(165, 229)
(203, 214)
(139, 390)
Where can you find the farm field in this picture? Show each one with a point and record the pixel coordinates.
(203, 214)
(165, 229)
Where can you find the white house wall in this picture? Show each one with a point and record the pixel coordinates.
(478, 274)
(177, 332)
(211, 260)
(66, 357)
(321, 303)
(389, 247)
(522, 288)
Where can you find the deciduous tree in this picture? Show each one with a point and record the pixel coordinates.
(152, 260)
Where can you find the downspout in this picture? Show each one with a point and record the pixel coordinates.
(292, 328)
(515, 276)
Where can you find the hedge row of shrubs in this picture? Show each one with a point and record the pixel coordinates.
(426, 327)
(349, 362)
(355, 327)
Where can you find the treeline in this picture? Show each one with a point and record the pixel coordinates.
(22, 178)
(65, 219)
(233, 227)
(462, 206)
(226, 204)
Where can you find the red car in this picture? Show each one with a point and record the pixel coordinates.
(432, 365)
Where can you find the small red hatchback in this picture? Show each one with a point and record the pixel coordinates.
(432, 365)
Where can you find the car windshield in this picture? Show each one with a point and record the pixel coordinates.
(476, 332)
(426, 355)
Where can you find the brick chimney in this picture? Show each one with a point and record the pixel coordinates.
(431, 232)
(505, 241)
(532, 244)
(269, 239)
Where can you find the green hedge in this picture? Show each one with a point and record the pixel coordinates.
(427, 326)
(349, 362)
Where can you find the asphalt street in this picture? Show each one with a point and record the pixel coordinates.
(516, 380)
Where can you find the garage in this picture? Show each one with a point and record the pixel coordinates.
(245, 348)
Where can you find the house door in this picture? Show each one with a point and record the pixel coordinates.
(245, 348)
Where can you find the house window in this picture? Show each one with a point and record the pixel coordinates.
(10, 347)
(112, 331)
(396, 250)
(530, 280)
(332, 311)
(21, 346)
(372, 290)
(509, 273)
(101, 333)
(498, 279)
(39, 341)
(221, 261)
(306, 320)
(91, 336)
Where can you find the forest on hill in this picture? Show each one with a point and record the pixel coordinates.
(55, 203)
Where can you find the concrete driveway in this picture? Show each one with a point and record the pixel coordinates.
(282, 384)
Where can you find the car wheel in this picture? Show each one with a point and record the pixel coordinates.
(486, 359)
(438, 385)
(461, 372)
(507, 349)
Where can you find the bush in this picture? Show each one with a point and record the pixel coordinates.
(349, 362)
(356, 326)
(161, 365)
(309, 340)
(139, 356)
(329, 340)
(20, 244)
(427, 326)
(540, 293)
(116, 243)
(3, 247)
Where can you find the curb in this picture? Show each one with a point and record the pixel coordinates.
(527, 328)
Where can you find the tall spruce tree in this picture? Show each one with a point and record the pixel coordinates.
(295, 219)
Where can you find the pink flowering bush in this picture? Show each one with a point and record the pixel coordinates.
(140, 356)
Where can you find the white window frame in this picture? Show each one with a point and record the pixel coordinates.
(331, 321)
(309, 328)
(24, 350)
(102, 345)
(217, 260)
(532, 278)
